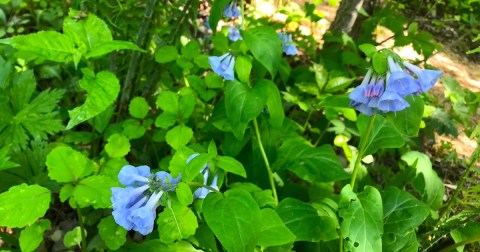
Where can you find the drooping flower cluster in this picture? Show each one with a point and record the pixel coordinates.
(287, 43)
(202, 192)
(234, 33)
(134, 207)
(374, 94)
(231, 10)
(223, 65)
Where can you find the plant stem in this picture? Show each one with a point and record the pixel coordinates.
(322, 134)
(265, 158)
(456, 245)
(132, 67)
(361, 151)
(82, 229)
(202, 185)
(309, 115)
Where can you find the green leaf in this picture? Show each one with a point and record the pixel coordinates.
(168, 101)
(65, 165)
(191, 50)
(337, 84)
(233, 219)
(44, 45)
(179, 136)
(176, 223)
(184, 194)
(94, 191)
(216, 13)
(32, 236)
(186, 102)
(195, 165)
(335, 101)
(23, 204)
(102, 90)
(368, 49)
(380, 63)
(402, 214)
(156, 245)
(166, 54)
(273, 231)
(117, 146)
(303, 220)
(7, 68)
(362, 225)
(408, 120)
(265, 46)
(138, 107)
(112, 234)
(243, 67)
(243, 104)
(73, 237)
(464, 233)
(274, 103)
(86, 32)
(5, 162)
(309, 163)
(110, 46)
(383, 134)
(426, 182)
(230, 164)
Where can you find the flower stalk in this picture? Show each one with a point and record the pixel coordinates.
(361, 151)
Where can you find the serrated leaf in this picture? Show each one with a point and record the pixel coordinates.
(45, 45)
(273, 231)
(230, 164)
(23, 204)
(94, 191)
(265, 46)
(179, 136)
(166, 54)
(5, 162)
(117, 146)
(32, 236)
(233, 219)
(65, 164)
(102, 89)
(362, 224)
(304, 221)
(112, 234)
(176, 223)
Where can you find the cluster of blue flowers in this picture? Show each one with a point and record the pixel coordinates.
(224, 65)
(374, 94)
(134, 206)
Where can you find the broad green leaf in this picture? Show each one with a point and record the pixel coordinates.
(383, 134)
(66, 192)
(86, 32)
(216, 13)
(23, 204)
(184, 194)
(110, 46)
(399, 243)
(102, 90)
(191, 50)
(335, 101)
(168, 101)
(94, 191)
(274, 103)
(230, 164)
(368, 49)
(243, 67)
(32, 236)
(426, 182)
(44, 45)
(243, 104)
(205, 237)
(166, 54)
(65, 165)
(179, 136)
(112, 234)
(138, 107)
(362, 224)
(176, 223)
(408, 120)
(265, 46)
(312, 164)
(470, 231)
(117, 146)
(157, 245)
(233, 218)
(195, 165)
(402, 214)
(380, 63)
(304, 222)
(186, 102)
(133, 129)
(165, 120)
(73, 237)
(337, 84)
(273, 231)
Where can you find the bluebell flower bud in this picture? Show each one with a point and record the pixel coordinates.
(287, 43)
(231, 11)
(223, 65)
(234, 33)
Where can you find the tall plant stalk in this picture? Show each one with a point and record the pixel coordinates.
(361, 150)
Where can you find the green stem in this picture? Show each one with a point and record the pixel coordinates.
(82, 229)
(322, 134)
(361, 151)
(267, 164)
(202, 185)
(456, 245)
(309, 115)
